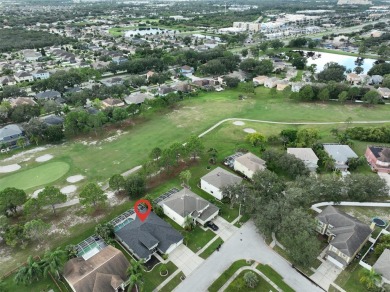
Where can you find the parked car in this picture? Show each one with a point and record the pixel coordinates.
(211, 225)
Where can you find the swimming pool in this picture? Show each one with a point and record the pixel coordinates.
(123, 224)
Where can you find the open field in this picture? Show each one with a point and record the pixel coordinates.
(99, 157)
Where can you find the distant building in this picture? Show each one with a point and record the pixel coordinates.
(137, 98)
(186, 70)
(112, 102)
(31, 55)
(384, 92)
(21, 101)
(22, 76)
(354, 2)
(41, 74)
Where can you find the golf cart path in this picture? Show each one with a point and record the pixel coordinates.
(290, 123)
(136, 168)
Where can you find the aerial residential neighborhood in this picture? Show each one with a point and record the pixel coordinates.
(194, 146)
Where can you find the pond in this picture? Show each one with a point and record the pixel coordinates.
(147, 31)
(320, 59)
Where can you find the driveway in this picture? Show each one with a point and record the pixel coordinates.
(226, 230)
(326, 274)
(386, 177)
(185, 259)
(245, 243)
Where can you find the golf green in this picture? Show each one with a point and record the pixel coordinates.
(36, 176)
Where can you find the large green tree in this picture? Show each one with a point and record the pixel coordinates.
(36, 229)
(53, 262)
(28, 273)
(11, 199)
(51, 196)
(92, 195)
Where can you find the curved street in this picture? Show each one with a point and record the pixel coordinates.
(245, 243)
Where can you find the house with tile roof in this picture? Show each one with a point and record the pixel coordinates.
(185, 204)
(248, 164)
(145, 238)
(346, 235)
(378, 157)
(216, 179)
(103, 272)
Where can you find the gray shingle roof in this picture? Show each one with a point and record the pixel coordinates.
(382, 265)
(137, 98)
(349, 232)
(187, 203)
(9, 132)
(48, 94)
(140, 236)
(220, 177)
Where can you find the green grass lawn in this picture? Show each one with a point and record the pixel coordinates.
(211, 248)
(262, 286)
(218, 283)
(198, 238)
(244, 218)
(172, 284)
(274, 277)
(153, 278)
(42, 285)
(37, 176)
(349, 279)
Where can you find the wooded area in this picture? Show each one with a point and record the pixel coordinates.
(17, 39)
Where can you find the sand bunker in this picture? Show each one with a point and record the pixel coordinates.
(249, 130)
(9, 168)
(21, 154)
(44, 158)
(68, 189)
(238, 123)
(35, 194)
(75, 178)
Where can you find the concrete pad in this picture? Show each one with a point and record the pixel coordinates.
(326, 274)
(185, 259)
(226, 230)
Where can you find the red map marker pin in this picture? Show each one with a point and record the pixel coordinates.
(142, 215)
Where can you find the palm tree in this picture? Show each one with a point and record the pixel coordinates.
(370, 278)
(185, 176)
(30, 272)
(136, 280)
(135, 272)
(53, 262)
(188, 223)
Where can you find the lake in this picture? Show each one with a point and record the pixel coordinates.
(147, 31)
(347, 61)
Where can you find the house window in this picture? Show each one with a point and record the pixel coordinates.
(212, 192)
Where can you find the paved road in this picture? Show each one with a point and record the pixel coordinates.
(246, 243)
